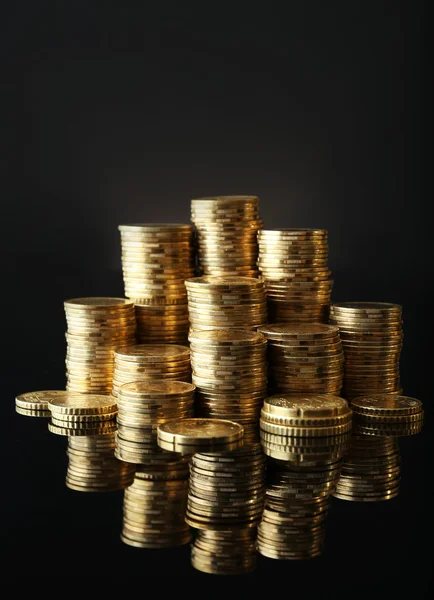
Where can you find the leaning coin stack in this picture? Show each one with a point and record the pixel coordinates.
(304, 359)
(226, 229)
(155, 504)
(229, 369)
(82, 414)
(93, 467)
(142, 406)
(371, 334)
(226, 302)
(156, 259)
(305, 439)
(95, 327)
(371, 471)
(150, 362)
(294, 264)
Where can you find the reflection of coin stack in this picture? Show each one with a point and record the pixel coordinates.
(305, 439)
(95, 327)
(93, 467)
(294, 264)
(304, 359)
(156, 259)
(226, 303)
(82, 414)
(150, 362)
(229, 369)
(154, 506)
(226, 228)
(371, 471)
(371, 334)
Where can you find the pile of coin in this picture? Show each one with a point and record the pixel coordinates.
(225, 551)
(154, 507)
(226, 229)
(226, 302)
(34, 404)
(304, 359)
(142, 406)
(294, 264)
(150, 362)
(371, 334)
(156, 259)
(93, 467)
(95, 327)
(82, 414)
(305, 439)
(229, 369)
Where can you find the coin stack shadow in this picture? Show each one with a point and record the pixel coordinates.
(305, 439)
(226, 234)
(95, 327)
(154, 505)
(226, 303)
(150, 362)
(304, 359)
(294, 264)
(371, 469)
(371, 334)
(156, 259)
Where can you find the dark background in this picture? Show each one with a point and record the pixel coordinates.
(122, 112)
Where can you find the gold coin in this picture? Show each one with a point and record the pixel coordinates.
(386, 404)
(81, 404)
(200, 431)
(306, 406)
(38, 400)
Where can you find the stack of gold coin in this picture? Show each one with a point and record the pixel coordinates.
(371, 334)
(95, 327)
(225, 551)
(305, 439)
(150, 363)
(229, 369)
(93, 467)
(154, 508)
(142, 406)
(226, 302)
(189, 436)
(35, 404)
(294, 264)
(156, 259)
(162, 323)
(226, 228)
(304, 359)
(82, 414)
(388, 414)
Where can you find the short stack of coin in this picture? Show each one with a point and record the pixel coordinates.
(156, 259)
(142, 406)
(93, 467)
(82, 414)
(150, 362)
(387, 414)
(154, 507)
(304, 359)
(305, 439)
(35, 404)
(225, 551)
(95, 327)
(372, 335)
(294, 264)
(226, 229)
(226, 302)
(229, 369)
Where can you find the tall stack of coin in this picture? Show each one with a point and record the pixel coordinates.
(294, 264)
(226, 228)
(93, 467)
(371, 334)
(156, 259)
(82, 414)
(95, 327)
(305, 439)
(304, 359)
(226, 302)
(229, 369)
(150, 362)
(371, 471)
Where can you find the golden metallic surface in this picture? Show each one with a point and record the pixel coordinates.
(306, 406)
(81, 404)
(38, 400)
(191, 431)
(386, 404)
